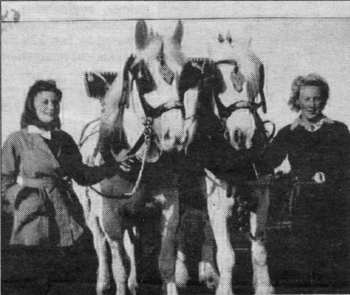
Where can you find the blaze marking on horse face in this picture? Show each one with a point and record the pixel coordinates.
(163, 61)
(240, 83)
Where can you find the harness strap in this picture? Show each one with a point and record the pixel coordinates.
(137, 145)
(37, 182)
(40, 184)
(144, 138)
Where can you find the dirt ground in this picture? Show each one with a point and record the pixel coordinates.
(74, 271)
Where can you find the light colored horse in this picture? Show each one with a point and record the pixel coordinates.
(146, 115)
(230, 132)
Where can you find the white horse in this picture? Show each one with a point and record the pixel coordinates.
(147, 116)
(230, 131)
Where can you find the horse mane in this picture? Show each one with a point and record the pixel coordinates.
(112, 133)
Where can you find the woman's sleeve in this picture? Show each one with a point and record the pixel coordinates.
(276, 151)
(71, 162)
(344, 142)
(10, 170)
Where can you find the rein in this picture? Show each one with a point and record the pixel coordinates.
(145, 138)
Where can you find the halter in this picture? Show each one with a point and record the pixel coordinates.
(145, 84)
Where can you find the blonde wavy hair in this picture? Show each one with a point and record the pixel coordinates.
(309, 80)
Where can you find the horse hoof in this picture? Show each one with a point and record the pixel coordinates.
(133, 289)
(208, 275)
(265, 290)
(181, 274)
(224, 290)
(212, 283)
(169, 289)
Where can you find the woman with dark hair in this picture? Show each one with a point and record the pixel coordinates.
(38, 162)
(318, 150)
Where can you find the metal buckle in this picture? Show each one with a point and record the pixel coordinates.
(148, 128)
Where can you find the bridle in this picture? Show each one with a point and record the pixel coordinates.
(213, 83)
(145, 84)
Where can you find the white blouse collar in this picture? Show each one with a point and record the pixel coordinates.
(43, 133)
(311, 127)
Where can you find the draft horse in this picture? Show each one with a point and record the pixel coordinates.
(229, 139)
(146, 115)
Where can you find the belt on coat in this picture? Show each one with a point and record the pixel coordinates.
(39, 183)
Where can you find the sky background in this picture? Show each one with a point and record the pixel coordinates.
(62, 40)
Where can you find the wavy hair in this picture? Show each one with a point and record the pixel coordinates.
(29, 115)
(309, 80)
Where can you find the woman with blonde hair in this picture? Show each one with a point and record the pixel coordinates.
(318, 150)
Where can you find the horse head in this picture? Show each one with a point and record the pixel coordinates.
(148, 99)
(236, 77)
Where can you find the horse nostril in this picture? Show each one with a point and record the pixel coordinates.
(236, 135)
(167, 135)
(243, 137)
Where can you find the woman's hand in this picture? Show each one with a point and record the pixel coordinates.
(129, 164)
(126, 164)
(319, 177)
(267, 178)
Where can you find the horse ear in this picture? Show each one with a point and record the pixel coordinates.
(178, 34)
(228, 37)
(141, 35)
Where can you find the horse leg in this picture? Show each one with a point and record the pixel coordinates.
(258, 223)
(119, 269)
(169, 223)
(181, 272)
(207, 271)
(130, 251)
(101, 247)
(220, 209)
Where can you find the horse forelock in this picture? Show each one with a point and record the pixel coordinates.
(240, 123)
(248, 63)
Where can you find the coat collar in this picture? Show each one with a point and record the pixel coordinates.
(311, 127)
(44, 133)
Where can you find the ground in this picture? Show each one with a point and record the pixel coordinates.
(74, 271)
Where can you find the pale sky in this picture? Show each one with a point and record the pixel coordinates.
(52, 41)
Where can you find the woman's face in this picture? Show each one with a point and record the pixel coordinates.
(47, 106)
(310, 102)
